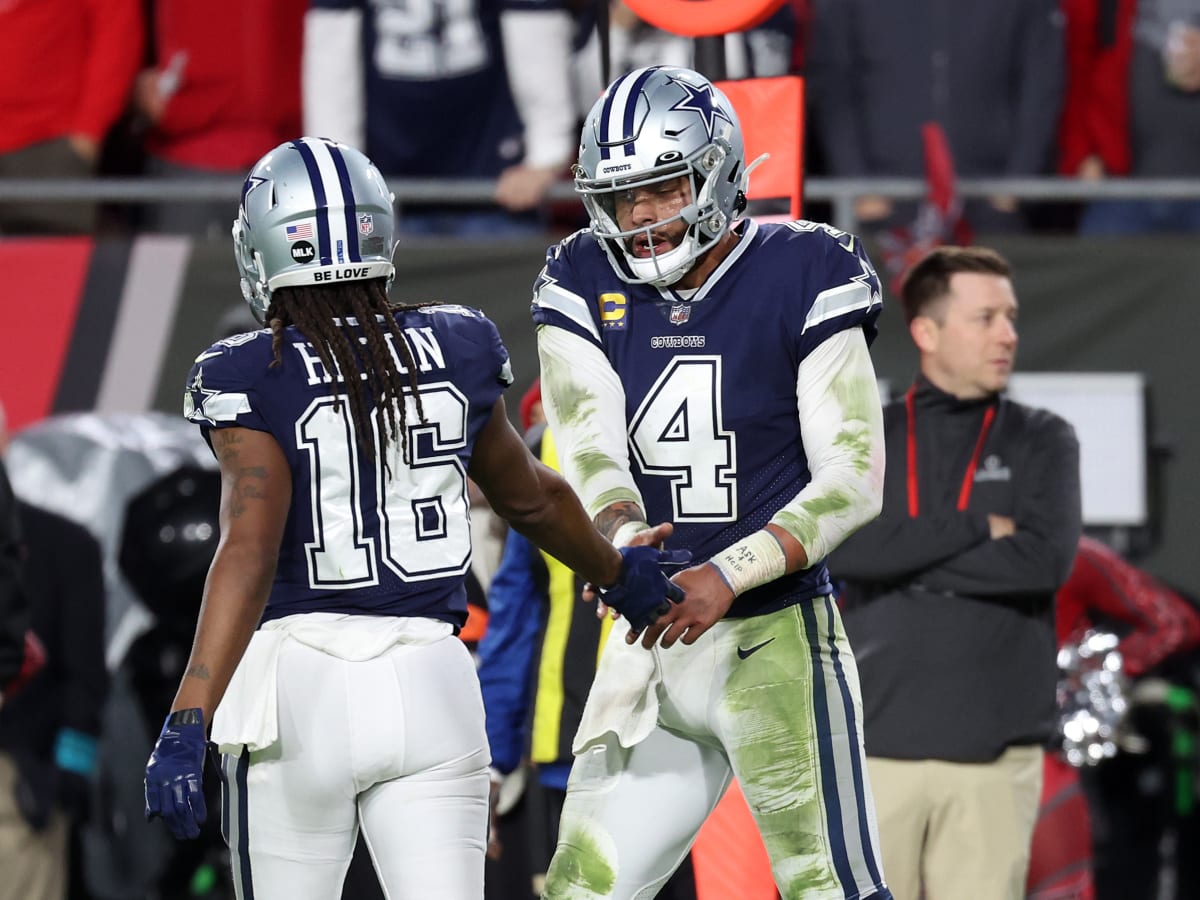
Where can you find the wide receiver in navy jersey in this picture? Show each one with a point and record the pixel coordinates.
(713, 373)
(324, 655)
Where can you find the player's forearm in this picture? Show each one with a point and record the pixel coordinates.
(842, 426)
(234, 598)
(560, 526)
(584, 404)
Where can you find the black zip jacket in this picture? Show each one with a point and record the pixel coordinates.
(954, 631)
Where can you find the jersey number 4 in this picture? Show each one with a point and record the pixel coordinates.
(422, 509)
(678, 433)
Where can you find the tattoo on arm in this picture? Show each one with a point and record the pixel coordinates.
(248, 480)
(609, 519)
(200, 670)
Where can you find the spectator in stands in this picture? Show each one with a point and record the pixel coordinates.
(989, 73)
(66, 70)
(1133, 107)
(425, 97)
(217, 97)
(498, 92)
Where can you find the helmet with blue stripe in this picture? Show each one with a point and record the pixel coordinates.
(653, 125)
(313, 211)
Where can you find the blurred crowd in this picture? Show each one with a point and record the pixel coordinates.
(1091, 89)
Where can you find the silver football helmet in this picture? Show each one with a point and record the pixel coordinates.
(313, 211)
(652, 125)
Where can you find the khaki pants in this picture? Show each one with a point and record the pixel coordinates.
(957, 830)
(33, 863)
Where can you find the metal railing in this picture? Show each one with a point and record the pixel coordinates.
(840, 193)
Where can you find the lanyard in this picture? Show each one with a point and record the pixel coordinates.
(964, 493)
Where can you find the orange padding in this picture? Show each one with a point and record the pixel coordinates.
(728, 858)
(771, 112)
(704, 18)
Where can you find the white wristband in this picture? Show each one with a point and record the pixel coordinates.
(626, 533)
(752, 561)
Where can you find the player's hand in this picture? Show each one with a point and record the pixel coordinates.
(175, 772)
(708, 599)
(642, 592)
(650, 536)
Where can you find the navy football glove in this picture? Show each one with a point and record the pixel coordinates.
(175, 772)
(643, 593)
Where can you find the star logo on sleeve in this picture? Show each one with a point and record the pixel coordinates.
(544, 279)
(702, 102)
(869, 279)
(212, 406)
(194, 398)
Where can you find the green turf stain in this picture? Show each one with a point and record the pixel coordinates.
(858, 398)
(829, 505)
(579, 863)
(574, 402)
(768, 704)
(859, 447)
(590, 462)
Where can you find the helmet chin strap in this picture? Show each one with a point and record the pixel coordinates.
(653, 270)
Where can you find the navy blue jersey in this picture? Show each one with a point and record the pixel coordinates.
(348, 546)
(437, 95)
(710, 382)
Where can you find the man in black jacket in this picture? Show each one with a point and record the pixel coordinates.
(949, 594)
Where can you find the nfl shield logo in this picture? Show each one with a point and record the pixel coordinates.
(366, 224)
(680, 313)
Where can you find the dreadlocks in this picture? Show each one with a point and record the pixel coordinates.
(319, 312)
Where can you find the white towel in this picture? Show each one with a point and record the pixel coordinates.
(624, 696)
(249, 712)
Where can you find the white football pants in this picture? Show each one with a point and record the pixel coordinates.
(395, 744)
(773, 700)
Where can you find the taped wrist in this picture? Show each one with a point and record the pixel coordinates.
(626, 533)
(193, 716)
(752, 561)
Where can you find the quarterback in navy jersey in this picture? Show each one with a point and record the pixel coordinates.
(324, 658)
(714, 373)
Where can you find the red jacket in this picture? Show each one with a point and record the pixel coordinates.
(66, 67)
(239, 86)
(1095, 120)
(1102, 582)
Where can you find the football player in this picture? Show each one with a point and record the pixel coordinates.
(324, 657)
(713, 372)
